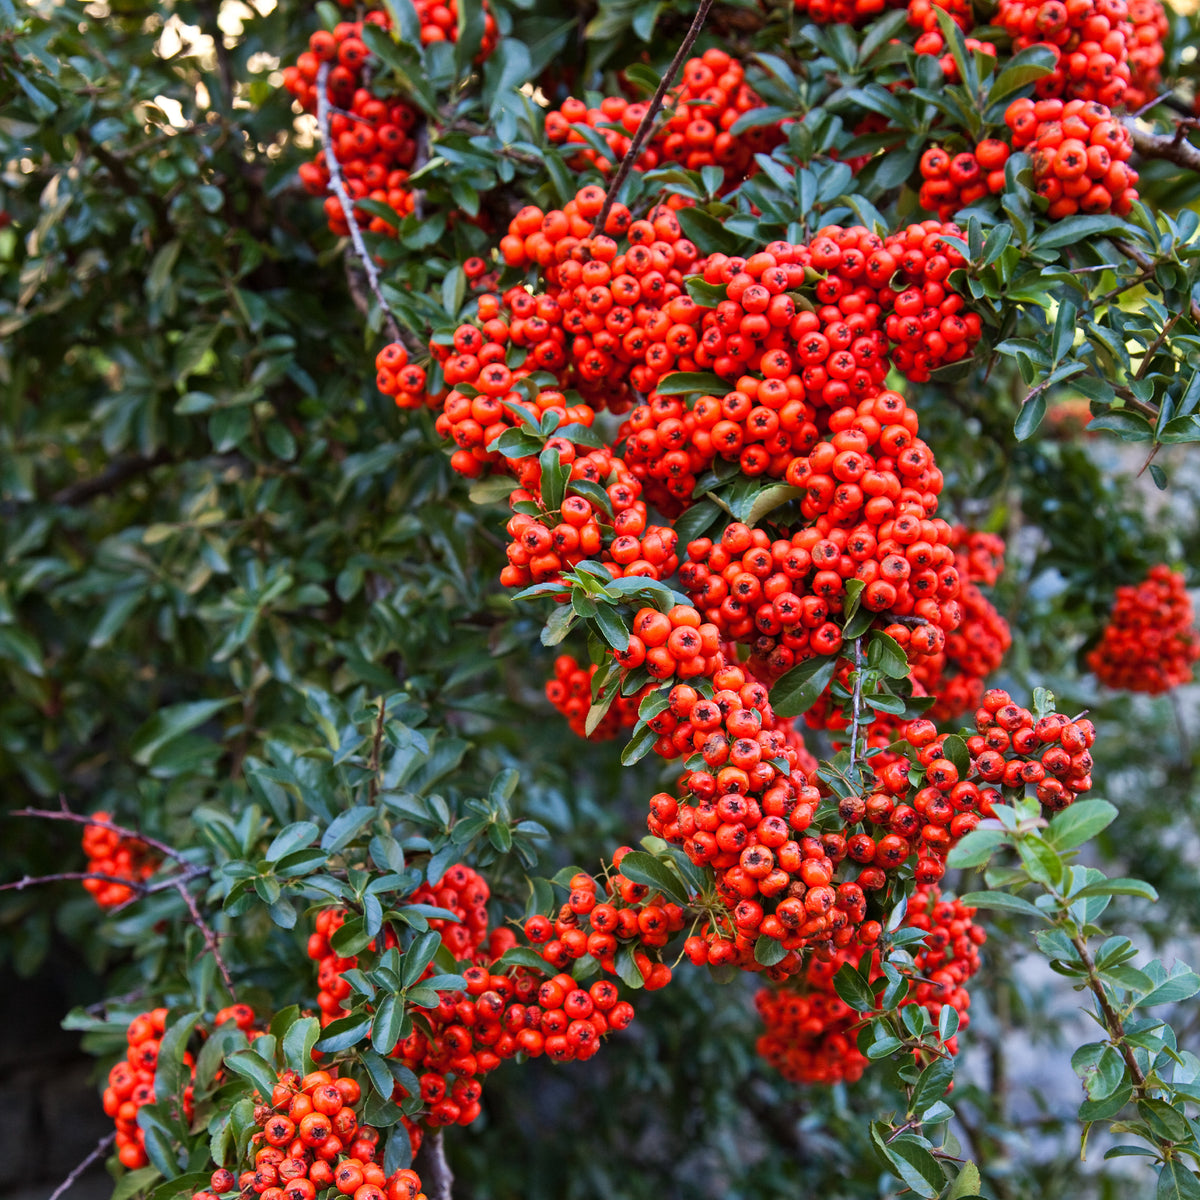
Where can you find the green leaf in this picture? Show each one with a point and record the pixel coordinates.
(914, 1163)
(1182, 985)
(1117, 887)
(931, 1086)
(292, 837)
(1029, 417)
(797, 690)
(418, 956)
(966, 1185)
(1079, 823)
(298, 1044)
(886, 654)
(169, 1076)
(385, 1029)
(1003, 901)
(255, 1068)
(655, 874)
(768, 951)
(1177, 1182)
(345, 1032)
(168, 724)
(976, 848)
(639, 745)
(686, 383)
(1078, 230)
(854, 989)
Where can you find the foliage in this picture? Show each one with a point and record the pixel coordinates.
(247, 607)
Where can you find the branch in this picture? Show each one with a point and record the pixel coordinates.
(347, 205)
(1172, 148)
(177, 883)
(436, 1176)
(647, 122)
(1112, 1020)
(65, 814)
(101, 1149)
(855, 709)
(376, 745)
(129, 466)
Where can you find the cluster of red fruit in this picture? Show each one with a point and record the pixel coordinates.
(1149, 643)
(977, 647)
(570, 691)
(395, 376)
(701, 110)
(311, 1141)
(1107, 50)
(922, 15)
(503, 1012)
(954, 182)
(372, 136)
(810, 1032)
(131, 1080)
(1080, 155)
(115, 855)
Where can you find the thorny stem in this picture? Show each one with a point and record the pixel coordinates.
(356, 238)
(101, 1149)
(647, 122)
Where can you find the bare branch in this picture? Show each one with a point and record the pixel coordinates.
(647, 122)
(431, 1165)
(101, 1149)
(177, 882)
(395, 332)
(1174, 149)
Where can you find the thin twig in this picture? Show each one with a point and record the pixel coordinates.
(647, 121)
(1152, 349)
(129, 466)
(1112, 1020)
(855, 708)
(101, 1149)
(65, 814)
(177, 882)
(338, 184)
(376, 746)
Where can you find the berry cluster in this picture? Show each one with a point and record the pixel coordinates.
(1080, 155)
(395, 376)
(504, 1012)
(702, 109)
(809, 1034)
(570, 691)
(117, 856)
(310, 1141)
(1007, 749)
(631, 916)
(1149, 643)
(954, 182)
(977, 647)
(842, 12)
(372, 136)
(922, 15)
(131, 1080)
(1090, 38)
